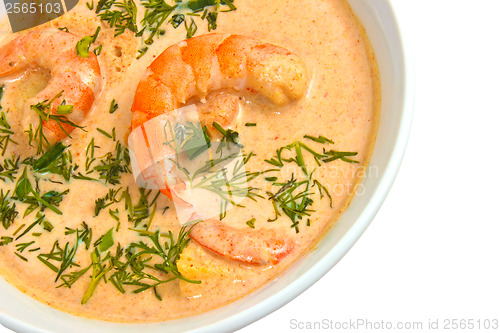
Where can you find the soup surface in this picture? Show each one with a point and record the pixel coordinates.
(72, 237)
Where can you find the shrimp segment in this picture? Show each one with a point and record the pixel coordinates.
(78, 78)
(198, 69)
(254, 247)
(200, 65)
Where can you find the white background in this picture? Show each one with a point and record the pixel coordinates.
(433, 250)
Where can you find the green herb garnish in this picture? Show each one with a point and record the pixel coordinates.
(143, 265)
(113, 107)
(9, 168)
(105, 242)
(83, 45)
(110, 198)
(294, 197)
(43, 109)
(8, 211)
(251, 223)
(5, 240)
(159, 14)
(59, 259)
(5, 132)
(113, 164)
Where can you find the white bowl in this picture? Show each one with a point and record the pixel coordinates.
(21, 313)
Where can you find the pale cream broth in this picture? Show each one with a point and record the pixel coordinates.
(342, 104)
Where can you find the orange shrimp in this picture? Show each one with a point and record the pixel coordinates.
(258, 247)
(78, 78)
(199, 68)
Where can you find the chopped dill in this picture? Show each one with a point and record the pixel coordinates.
(110, 198)
(140, 211)
(59, 259)
(21, 247)
(5, 240)
(21, 257)
(25, 192)
(56, 160)
(251, 223)
(98, 50)
(121, 15)
(113, 106)
(103, 132)
(40, 221)
(294, 196)
(5, 132)
(9, 169)
(8, 211)
(113, 164)
(43, 109)
(143, 265)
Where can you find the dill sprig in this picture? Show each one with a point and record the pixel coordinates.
(57, 160)
(21, 247)
(43, 109)
(40, 221)
(120, 15)
(294, 200)
(5, 129)
(229, 139)
(142, 256)
(113, 107)
(5, 132)
(213, 175)
(143, 265)
(49, 199)
(5, 240)
(144, 209)
(299, 147)
(190, 138)
(59, 259)
(113, 164)
(138, 212)
(159, 14)
(110, 198)
(9, 168)
(25, 192)
(294, 196)
(8, 211)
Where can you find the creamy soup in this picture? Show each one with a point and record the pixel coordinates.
(73, 239)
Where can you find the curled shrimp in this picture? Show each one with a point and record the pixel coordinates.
(205, 68)
(197, 67)
(77, 78)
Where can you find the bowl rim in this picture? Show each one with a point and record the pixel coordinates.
(332, 257)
